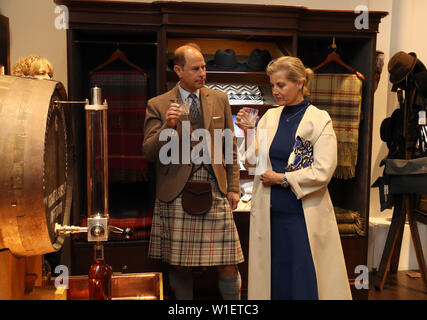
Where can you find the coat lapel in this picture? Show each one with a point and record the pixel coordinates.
(207, 106)
(175, 95)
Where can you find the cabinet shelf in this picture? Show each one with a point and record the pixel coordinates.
(229, 77)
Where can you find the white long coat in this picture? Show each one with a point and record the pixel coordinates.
(310, 185)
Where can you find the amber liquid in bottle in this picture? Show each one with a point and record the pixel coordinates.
(100, 276)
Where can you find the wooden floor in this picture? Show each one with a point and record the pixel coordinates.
(398, 286)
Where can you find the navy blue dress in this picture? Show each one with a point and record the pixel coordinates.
(292, 270)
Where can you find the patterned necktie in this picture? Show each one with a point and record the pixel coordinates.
(194, 107)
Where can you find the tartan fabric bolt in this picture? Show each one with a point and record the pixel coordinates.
(179, 238)
(341, 96)
(194, 107)
(126, 92)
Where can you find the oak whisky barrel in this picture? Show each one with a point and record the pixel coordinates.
(36, 156)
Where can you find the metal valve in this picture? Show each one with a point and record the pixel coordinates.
(97, 227)
(96, 231)
(67, 230)
(126, 233)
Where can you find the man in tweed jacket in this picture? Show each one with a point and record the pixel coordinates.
(178, 238)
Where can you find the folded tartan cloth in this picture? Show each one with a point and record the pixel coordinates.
(347, 229)
(341, 96)
(349, 222)
(346, 216)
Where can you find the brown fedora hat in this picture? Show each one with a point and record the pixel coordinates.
(401, 65)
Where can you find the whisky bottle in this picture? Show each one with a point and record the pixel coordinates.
(99, 276)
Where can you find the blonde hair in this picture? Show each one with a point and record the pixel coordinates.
(294, 69)
(29, 66)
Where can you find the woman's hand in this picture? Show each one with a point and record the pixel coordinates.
(242, 114)
(270, 178)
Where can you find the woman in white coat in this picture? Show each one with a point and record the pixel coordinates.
(294, 249)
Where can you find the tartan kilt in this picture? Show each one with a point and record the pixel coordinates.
(182, 239)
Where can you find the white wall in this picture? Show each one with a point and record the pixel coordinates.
(33, 31)
(311, 4)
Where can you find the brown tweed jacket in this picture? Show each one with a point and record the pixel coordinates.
(171, 178)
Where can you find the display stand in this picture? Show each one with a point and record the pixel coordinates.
(404, 207)
(390, 258)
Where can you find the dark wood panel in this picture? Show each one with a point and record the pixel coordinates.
(111, 12)
(117, 18)
(231, 15)
(5, 44)
(241, 16)
(231, 20)
(229, 77)
(130, 256)
(242, 224)
(338, 21)
(355, 253)
(228, 33)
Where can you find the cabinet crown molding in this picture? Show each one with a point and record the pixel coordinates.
(217, 15)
